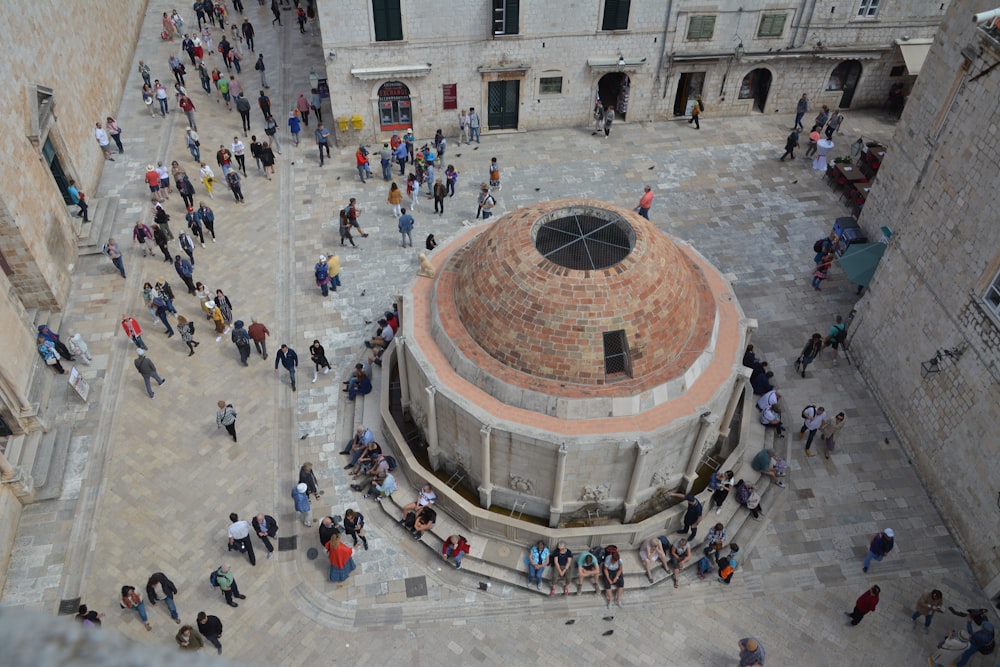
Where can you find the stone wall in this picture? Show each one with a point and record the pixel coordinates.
(565, 39)
(935, 191)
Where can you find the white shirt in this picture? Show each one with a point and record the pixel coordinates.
(768, 400)
(387, 334)
(238, 148)
(102, 136)
(162, 172)
(768, 416)
(426, 497)
(816, 421)
(239, 529)
(206, 172)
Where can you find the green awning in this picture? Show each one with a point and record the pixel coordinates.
(860, 260)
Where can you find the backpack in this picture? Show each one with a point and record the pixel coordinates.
(191, 328)
(701, 105)
(106, 250)
(818, 246)
(213, 578)
(140, 234)
(704, 565)
(809, 407)
(391, 460)
(322, 272)
(841, 334)
(742, 492)
(240, 337)
(598, 553)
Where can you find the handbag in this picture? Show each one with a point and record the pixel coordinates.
(51, 361)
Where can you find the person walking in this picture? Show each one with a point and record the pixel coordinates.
(791, 143)
(159, 586)
(239, 537)
(609, 118)
(440, 191)
(318, 356)
(260, 67)
(692, 515)
(395, 199)
(210, 627)
(161, 97)
(341, 559)
(207, 218)
(360, 159)
(185, 270)
(322, 141)
(981, 640)
(751, 652)
(240, 338)
(186, 329)
(236, 185)
(812, 419)
(258, 334)
(801, 108)
(645, 202)
(829, 430)
(114, 253)
(239, 152)
(809, 353)
(927, 605)
(836, 337)
(226, 416)
(696, 110)
(132, 329)
(187, 639)
(186, 243)
(406, 228)
(227, 582)
(193, 143)
(207, 178)
(879, 548)
(267, 158)
(243, 106)
(302, 505)
(132, 600)
(865, 604)
(147, 369)
(186, 189)
(833, 125)
(286, 357)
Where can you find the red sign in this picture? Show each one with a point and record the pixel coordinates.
(450, 95)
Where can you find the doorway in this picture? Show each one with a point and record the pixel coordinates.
(756, 85)
(502, 106)
(394, 108)
(689, 89)
(613, 90)
(58, 173)
(845, 78)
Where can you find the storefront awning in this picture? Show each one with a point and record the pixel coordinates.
(914, 53)
(860, 260)
(400, 72)
(849, 55)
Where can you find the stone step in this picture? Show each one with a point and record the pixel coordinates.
(12, 448)
(50, 463)
(102, 227)
(33, 442)
(97, 213)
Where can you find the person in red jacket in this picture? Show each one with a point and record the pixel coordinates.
(866, 603)
(455, 547)
(133, 331)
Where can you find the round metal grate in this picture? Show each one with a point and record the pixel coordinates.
(585, 242)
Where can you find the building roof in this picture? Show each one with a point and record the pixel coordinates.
(539, 297)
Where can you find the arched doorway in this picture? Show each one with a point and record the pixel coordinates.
(844, 77)
(394, 111)
(756, 85)
(613, 89)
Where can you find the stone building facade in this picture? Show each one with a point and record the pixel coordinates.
(64, 66)
(927, 333)
(528, 64)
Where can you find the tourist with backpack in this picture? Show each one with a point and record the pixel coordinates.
(321, 272)
(224, 579)
(812, 419)
(809, 353)
(836, 337)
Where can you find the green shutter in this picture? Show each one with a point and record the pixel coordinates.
(388, 20)
(701, 27)
(772, 25)
(510, 17)
(616, 14)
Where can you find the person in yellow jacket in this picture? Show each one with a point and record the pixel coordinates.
(333, 270)
(395, 198)
(217, 319)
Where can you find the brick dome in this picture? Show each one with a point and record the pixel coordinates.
(577, 294)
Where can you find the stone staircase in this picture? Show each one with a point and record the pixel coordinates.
(92, 236)
(503, 562)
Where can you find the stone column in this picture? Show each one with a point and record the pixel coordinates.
(486, 485)
(706, 430)
(555, 510)
(740, 383)
(404, 384)
(433, 451)
(20, 483)
(638, 470)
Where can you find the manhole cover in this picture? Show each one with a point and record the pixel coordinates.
(415, 586)
(312, 553)
(67, 607)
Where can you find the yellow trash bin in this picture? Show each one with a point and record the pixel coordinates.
(357, 121)
(342, 123)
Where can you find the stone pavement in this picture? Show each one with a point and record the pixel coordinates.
(160, 480)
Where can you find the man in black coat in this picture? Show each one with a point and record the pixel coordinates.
(210, 628)
(267, 529)
(159, 586)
